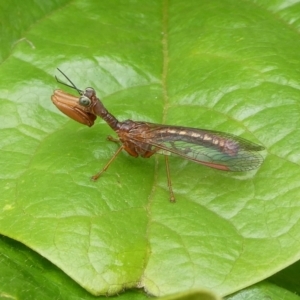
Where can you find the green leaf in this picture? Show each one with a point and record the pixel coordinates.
(288, 278)
(26, 275)
(222, 65)
(264, 291)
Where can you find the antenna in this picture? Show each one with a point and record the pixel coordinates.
(73, 86)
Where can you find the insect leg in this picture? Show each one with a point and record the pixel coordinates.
(112, 139)
(96, 176)
(172, 197)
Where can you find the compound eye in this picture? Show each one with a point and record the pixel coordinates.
(84, 101)
(89, 92)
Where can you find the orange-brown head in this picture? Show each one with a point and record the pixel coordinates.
(79, 108)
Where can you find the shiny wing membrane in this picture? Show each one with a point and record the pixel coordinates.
(214, 149)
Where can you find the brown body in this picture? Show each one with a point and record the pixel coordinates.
(215, 149)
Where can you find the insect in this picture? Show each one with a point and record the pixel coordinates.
(218, 150)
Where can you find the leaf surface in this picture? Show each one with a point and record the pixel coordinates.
(222, 65)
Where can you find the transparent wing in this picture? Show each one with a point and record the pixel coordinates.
(211, 148)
